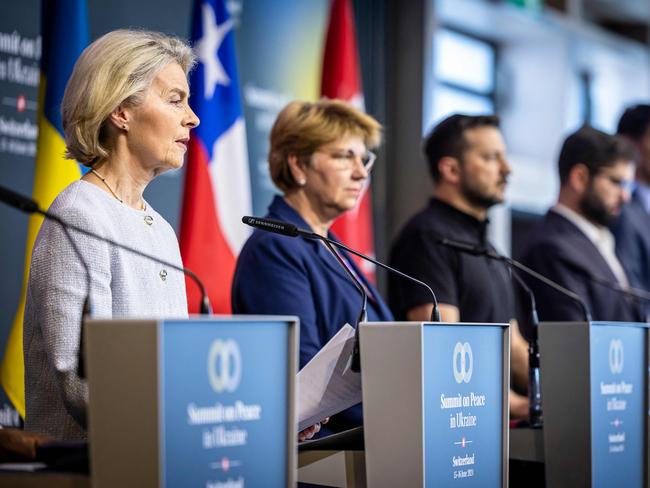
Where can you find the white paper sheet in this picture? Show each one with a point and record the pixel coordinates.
(326, 385)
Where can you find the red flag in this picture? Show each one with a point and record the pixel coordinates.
(341, 78)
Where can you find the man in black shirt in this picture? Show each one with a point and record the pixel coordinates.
(467, 162)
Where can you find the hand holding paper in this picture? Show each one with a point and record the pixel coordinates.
(326, 385)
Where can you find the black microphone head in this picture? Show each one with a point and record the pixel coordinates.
(270, 225)
(17, 200)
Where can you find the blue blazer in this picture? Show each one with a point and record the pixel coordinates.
(294, 276)
(560, 251)
(633, 242)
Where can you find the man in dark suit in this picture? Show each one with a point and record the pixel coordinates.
(572, 245)
(632, 230)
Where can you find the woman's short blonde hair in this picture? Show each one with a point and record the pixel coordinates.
(302, 127)
(116, 69)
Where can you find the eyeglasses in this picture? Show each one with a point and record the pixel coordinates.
(623, 184)
(348, 159)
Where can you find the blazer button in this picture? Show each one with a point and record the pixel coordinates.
(148, 219)
(163, 274)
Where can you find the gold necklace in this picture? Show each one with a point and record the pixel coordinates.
(103, 179)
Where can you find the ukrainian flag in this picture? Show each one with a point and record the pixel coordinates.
(64, 35)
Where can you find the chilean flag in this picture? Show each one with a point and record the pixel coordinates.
(341, 78)
(217, 182)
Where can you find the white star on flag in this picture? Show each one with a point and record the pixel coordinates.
(207, 47)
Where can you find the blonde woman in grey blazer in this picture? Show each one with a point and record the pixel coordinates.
(126, 117)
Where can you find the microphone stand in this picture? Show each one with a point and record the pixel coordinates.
(435, 313)
(481, 251)
(205, 306)
(635, 294)
(535, 417)
(355, 363)
(546, 281)
(290, 230)
(534, 384)
(29, 206)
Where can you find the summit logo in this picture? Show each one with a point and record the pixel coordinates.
(224, 365)
(616, 356)
(463, 363)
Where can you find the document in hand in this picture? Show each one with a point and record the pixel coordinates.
(327, 385)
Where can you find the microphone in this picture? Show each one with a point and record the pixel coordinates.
(29, 206)
(482, 251)
(291, 230)
(18, 201)
(276, 226)
(635, 293)
(534, 384)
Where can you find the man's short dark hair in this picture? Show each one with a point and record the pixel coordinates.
(593, 148)
(447, 139)
(634, 122)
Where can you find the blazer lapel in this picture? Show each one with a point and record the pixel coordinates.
(281, 210)
(582, 252)
(332, 263)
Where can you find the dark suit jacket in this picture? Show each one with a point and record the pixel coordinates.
(560, 251)
(295, 276)
(633, 242)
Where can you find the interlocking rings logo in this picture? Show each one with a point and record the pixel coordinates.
(224, 365)
(463, 362)
(616, 357)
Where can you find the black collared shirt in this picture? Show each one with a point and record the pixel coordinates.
(480, 287)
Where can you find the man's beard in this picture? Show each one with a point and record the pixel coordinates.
(477, 197)
(594, 210)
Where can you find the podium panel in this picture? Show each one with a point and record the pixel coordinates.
(199, 402)
(435, 403)
(594, 388)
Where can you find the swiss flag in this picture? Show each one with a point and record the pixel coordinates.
(341, 78)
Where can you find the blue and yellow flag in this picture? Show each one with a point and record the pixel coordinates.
(65, 34)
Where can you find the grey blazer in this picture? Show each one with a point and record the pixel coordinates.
(122, 286)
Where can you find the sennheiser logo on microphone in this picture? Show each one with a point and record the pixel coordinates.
(463, 362)
(269, 224)
(263, 223)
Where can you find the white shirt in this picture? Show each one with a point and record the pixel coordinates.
(600, 236)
